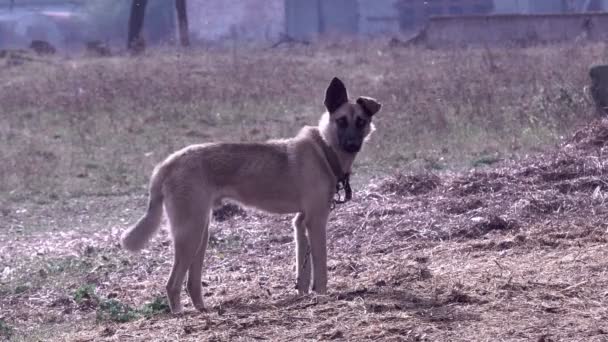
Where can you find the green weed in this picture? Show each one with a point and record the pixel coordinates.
(6, 330)
(486, 160)
(85, 292)
(21, 288)
(115, 311)
(158, 306)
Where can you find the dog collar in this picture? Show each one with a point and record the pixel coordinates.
(343, 178)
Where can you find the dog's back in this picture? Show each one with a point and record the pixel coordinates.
(253, 174)
(266, 176)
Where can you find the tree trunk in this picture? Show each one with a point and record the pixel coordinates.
(599, 88)
(182, 22)
(136, 23)
(321, 18)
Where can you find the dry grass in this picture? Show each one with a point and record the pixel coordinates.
(96, 126)
(434, 249)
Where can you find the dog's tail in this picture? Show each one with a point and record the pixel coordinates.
(136, 237)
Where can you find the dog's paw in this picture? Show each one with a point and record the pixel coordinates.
(303, 292)
(200, 308)
(303, 286)
(302, 289)
(320, 290)
(177, 311)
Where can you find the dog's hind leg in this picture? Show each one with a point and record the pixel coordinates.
(196, 269)
(187, 215)
(302, 255)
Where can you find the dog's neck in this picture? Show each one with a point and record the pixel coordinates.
(346, 159)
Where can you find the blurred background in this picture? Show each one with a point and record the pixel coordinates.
(70, 23)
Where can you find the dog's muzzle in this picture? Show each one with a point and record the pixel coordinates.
(351, 146)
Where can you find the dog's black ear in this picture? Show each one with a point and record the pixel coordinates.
(335, 95)
(370, 105)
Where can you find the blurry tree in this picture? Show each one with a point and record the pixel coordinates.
(108, 20)
(136, 23)
(182, 19)
(599, 87)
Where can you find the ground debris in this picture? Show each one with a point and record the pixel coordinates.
(404, 184)
(515, 250)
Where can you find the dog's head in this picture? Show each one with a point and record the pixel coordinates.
(348, 123)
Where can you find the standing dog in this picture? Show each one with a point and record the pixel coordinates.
(296, 175)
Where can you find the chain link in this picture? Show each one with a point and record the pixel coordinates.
(343, 185)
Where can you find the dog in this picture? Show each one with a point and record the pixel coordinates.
(296, 175)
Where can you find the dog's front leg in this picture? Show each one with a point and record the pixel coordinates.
(303, 260)
(316, 228)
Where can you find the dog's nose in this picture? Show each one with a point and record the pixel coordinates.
(352, 146)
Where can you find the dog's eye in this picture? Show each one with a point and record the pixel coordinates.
(342, 122)
(360, 123)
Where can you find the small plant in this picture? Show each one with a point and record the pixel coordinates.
(432, 163)
(21, 288)
(69, 264)
(115, 311)
(5, 329)
(85, 293)
(486, 160)
(158, 306)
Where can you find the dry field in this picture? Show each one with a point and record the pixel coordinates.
(478, 214)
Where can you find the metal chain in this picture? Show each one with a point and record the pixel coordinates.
(343, 184)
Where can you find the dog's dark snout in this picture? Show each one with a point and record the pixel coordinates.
(354, 143)
(352, 146)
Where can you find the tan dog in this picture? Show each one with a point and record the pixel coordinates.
(297, 175)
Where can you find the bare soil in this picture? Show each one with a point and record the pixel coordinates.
(515, 252)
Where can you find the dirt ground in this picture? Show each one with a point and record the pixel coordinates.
(515, 252)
